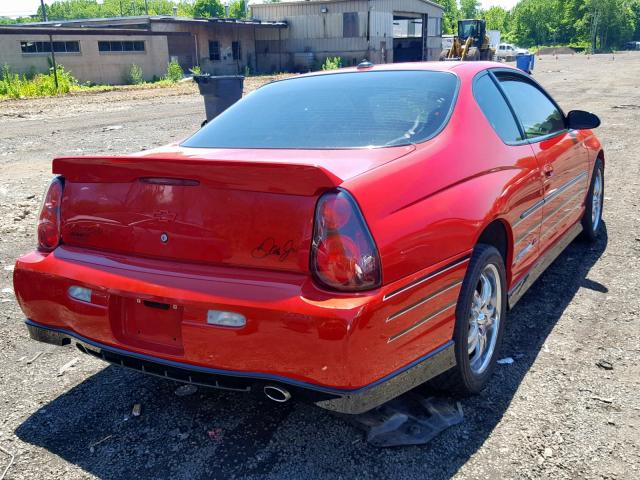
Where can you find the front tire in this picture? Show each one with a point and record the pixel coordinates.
(592, 218)
(472, 55)
(480, 320)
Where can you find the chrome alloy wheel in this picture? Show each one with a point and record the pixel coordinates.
(484, 319)
(596, 200)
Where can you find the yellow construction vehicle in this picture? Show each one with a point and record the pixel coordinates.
(471, 43)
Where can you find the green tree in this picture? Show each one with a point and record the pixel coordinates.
(12, 21)
(612, 22)
(71, 9)
(238, 9)
(208, 8)
(185, 8)
(635, 8)
(603, 24)
(535, 22)
(469, 8)
(74, 9)
(497, 18)
(451, 15)
(570, 29)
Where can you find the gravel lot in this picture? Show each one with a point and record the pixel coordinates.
(553, 413)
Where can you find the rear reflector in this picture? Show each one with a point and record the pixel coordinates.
(225, 319)
(80, 293)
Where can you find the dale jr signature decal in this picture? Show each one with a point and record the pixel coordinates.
(269, 248)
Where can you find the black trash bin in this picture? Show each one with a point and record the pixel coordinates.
(219, 92)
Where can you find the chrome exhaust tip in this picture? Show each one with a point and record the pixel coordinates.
(277, 394)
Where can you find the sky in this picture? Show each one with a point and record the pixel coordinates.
(15, 8)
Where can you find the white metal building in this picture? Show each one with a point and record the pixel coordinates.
(383, 31)
(286, 36)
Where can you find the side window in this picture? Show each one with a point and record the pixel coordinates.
(538, 114)
(214, 50)
(495, 108)
(236, 50)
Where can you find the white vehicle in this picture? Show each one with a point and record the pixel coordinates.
(508, 51)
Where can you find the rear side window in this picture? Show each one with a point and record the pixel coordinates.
(538, 114)
(496, 110)
(341, 110)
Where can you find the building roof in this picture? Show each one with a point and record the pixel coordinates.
(147, 19)
(301, 2)
(55, 30)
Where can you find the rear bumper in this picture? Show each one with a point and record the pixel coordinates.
(296, 334)
(347, 401)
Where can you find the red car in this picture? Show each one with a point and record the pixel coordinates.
(338, 237)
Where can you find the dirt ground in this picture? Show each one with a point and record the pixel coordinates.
(553, 413)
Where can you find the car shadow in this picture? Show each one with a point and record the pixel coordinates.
(212, 434)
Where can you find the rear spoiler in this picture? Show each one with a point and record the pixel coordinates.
(275, 177)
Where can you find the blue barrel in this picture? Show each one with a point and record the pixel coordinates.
(525, 62)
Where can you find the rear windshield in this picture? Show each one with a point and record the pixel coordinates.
(345, 110)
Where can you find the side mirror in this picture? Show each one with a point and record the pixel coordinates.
(580, 120)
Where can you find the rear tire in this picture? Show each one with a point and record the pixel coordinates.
(480, 319)
(485, 54)
(592, 218)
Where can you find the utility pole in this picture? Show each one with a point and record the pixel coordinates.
(53, 55)
(44, 11)
(53, 62)
(146, 7)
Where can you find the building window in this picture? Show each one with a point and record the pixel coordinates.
(350, 24)
(121, 46)
(45, 47)
(236, 50)
(214, 50)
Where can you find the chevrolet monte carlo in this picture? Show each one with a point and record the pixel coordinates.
(338, 238)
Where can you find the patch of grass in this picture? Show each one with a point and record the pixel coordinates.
(134, 75)
(31, 84)
(174, 72)
(13, 85)
(332, 63)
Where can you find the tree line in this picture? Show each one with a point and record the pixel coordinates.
(592, 24)
(595, 24)
(76, 9)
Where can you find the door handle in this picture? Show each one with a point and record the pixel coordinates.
(548, 170)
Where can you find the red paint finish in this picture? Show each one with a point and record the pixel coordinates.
(163, 236)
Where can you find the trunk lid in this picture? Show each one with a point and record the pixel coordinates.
(249, 208)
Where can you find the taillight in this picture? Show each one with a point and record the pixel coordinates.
(49, 220)
(343, 254)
